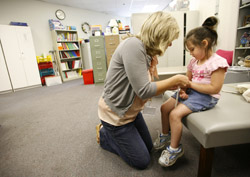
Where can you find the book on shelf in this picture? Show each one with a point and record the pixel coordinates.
(64, 75)
(75, 45)
(70, 54)
(64, 66)
(77, 64)
(71, 74)
(79, 71)
(77, 53)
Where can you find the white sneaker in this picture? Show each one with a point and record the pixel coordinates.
(169, 157)
(162, 141)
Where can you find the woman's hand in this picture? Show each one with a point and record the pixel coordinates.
(181, 81)
(172, 83)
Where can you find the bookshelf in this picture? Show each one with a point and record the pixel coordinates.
(68, 54)
(242, 50)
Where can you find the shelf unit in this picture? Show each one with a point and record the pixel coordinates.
(68, 54)
(241, 51)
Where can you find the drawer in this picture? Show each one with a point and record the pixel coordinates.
(98, 54)
(110, 52)
(112, 41)
(99, 76)
(96, 42)
(100, 65)
(99, 80)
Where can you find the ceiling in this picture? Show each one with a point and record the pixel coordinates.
(123, 8)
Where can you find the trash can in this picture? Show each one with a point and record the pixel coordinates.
(88, 76)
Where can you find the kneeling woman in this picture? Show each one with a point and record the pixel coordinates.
(128, 86)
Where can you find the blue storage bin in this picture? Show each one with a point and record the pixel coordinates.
(18, 23)
(45, 72)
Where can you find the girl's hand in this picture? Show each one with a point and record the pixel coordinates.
(183, 94)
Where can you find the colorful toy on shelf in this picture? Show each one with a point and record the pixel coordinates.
(245, 39)
(247, 61)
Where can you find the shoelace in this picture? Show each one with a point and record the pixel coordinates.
(158, 139)
(166, 155)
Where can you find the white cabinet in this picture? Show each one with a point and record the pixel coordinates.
(19, 57)
(4, 76)
(176, 54)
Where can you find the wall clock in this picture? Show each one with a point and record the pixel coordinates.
(60, 14)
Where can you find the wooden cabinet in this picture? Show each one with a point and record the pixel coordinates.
(242, 50)
(111, 42)
(98, 58)
(18, 55)
(68, 54)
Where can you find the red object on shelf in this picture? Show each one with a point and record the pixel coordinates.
(88, 76)
(45, 65)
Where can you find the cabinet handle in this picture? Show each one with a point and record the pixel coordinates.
(97, 45)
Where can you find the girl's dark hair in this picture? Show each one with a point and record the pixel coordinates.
(206, 31)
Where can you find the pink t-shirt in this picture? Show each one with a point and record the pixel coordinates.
(202, 73)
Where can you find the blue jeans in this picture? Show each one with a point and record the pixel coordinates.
(197, 101)
(132, 142)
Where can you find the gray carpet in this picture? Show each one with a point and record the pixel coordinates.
(50, 131)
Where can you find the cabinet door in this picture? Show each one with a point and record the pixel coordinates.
(176, 51)
(192, 21)
(13, 56)
(4, 77)
(28, 55)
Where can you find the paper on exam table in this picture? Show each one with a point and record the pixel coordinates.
(246, 95)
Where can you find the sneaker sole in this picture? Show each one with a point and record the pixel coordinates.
(163, 146)
(172, 163)
(98, 127)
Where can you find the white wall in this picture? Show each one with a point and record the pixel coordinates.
(227, 15)
(37, 14)
(206, 8)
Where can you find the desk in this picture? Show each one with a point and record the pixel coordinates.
(167, 72)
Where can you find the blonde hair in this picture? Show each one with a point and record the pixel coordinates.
(157, 32)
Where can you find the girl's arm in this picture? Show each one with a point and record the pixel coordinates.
(189, 75)
(217, 80)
